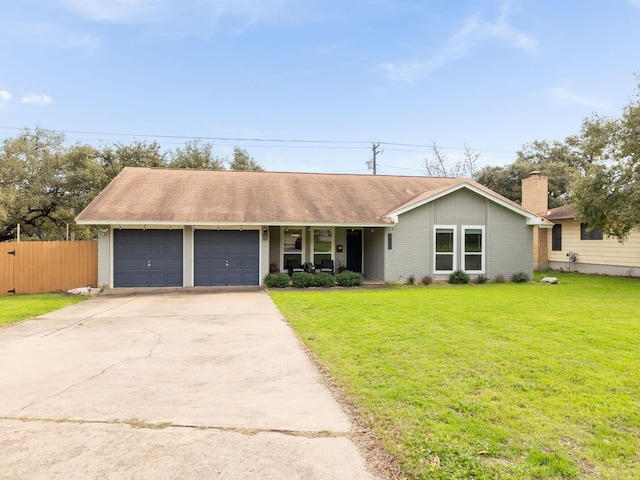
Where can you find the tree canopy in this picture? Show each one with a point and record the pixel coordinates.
(45, 183)
(243, 161)
(556, 160)
(597, 171)
(607, 196)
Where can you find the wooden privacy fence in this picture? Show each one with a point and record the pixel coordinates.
(40, 267)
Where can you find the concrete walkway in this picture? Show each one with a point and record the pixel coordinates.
(167, 386)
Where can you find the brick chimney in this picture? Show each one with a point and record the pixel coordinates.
(535, 198)
(535, 193)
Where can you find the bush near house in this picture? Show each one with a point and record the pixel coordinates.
(323, 280)
(458, 278)
(277, 280)
(302, 280)
(299, 280)
(349, 279)
(520, 277)
(427, 280)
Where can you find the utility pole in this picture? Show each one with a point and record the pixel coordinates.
(373, 163)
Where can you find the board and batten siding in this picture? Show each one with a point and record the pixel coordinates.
(374, 253)
(461, 208)
(606, 256)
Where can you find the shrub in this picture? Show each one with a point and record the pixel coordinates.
(427, 280)
(411, 280)
(458, 277)
(276, 280)
(302, 280)
(323, 280)
(481, 279)
(520, 277)
(349, 279)
(499, 279)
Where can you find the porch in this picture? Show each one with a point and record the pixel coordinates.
(358, 248)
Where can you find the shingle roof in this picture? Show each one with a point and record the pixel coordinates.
(561, 213)
(239, 197)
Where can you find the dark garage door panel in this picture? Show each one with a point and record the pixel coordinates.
(226, 257)
(148, 258)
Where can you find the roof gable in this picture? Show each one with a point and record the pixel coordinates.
(472, 186)
(181, 196)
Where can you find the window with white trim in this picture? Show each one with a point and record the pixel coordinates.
(322, 245)
(444, 251)
(473, 248)
(292, 247)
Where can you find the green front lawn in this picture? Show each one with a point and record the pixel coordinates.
(488, 381)
(19, 307)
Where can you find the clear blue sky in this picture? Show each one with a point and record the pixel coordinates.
(489, 73)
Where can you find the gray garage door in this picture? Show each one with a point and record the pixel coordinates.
(147, 258)
(226, 257)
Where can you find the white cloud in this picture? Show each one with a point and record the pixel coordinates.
(564, 95)
(39, 99)
(473, 32)
(634, 3)
(4, 98)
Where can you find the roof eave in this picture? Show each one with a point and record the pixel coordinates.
(381, 223)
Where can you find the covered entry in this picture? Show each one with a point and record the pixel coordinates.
(226, 257)
(147, 258)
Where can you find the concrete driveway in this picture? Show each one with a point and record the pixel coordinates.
(167, 386)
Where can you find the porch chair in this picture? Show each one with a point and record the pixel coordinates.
(294, 266)
(326, 266)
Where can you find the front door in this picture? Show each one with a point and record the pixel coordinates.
(354, 250)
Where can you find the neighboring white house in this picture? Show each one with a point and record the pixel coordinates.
(571, 245)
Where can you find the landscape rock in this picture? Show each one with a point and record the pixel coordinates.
(551, 280)
(84, 291)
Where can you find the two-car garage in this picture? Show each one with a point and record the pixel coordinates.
(155, 257)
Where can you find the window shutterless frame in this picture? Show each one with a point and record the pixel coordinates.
(292, 246)
(444, 248)
(473, 248)
(323, 245)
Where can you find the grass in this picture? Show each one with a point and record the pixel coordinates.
(19, 307)
(488, 381)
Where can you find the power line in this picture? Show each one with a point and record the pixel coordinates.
(260, 141)
(190, 137)
(402, 168)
